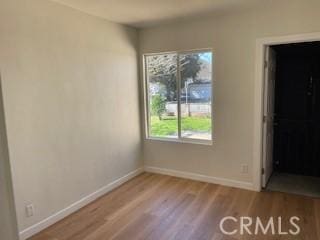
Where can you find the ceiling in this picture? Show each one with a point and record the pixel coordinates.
(142, 13)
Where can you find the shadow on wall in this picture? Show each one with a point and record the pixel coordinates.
(8, 223)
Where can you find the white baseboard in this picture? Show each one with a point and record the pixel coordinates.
(38, 227)
(199, 177)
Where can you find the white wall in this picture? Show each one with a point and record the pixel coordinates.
(232, 38)
(8, 229)
(70, 87)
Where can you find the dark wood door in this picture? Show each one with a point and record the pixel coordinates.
(297, 113)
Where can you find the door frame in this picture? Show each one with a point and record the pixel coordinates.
(258, 134)
(268, 98)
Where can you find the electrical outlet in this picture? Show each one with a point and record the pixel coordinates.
(29, 210)
(244, 168)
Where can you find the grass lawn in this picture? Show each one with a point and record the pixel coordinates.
(169, 126)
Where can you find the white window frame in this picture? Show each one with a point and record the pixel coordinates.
(179, 138)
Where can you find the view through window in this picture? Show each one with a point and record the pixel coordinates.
(179, 95)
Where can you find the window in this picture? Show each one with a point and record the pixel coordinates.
(179, 96)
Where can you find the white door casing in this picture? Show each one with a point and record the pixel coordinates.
(268, 114)
(258, 126)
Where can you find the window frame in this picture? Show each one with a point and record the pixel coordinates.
(179, 138)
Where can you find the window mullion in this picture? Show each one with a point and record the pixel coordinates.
(147, 97)
(179, 95)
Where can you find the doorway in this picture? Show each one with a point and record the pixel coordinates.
(292, 118)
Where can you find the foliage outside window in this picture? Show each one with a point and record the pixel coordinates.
(179, 95)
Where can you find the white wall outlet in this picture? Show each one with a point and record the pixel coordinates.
(29, 210)
(244, 168)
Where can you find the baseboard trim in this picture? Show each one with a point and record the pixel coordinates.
(199, 177)
(38, 227)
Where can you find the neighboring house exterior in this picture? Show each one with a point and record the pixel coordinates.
(196, 100)
(197, 93)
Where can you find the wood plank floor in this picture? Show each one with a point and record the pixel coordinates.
(153, 206)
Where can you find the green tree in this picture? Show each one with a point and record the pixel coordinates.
(158, 105)
(163, 69)
(190, 66)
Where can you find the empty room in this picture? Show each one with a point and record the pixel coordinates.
(150, 119)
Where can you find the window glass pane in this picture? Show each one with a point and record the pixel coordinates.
(196, 89)
(162, 95)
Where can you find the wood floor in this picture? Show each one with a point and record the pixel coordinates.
(153, 206)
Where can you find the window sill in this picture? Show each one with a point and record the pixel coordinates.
(183, 140)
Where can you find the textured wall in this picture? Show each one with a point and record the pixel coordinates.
(70, 86)
(232, 37)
